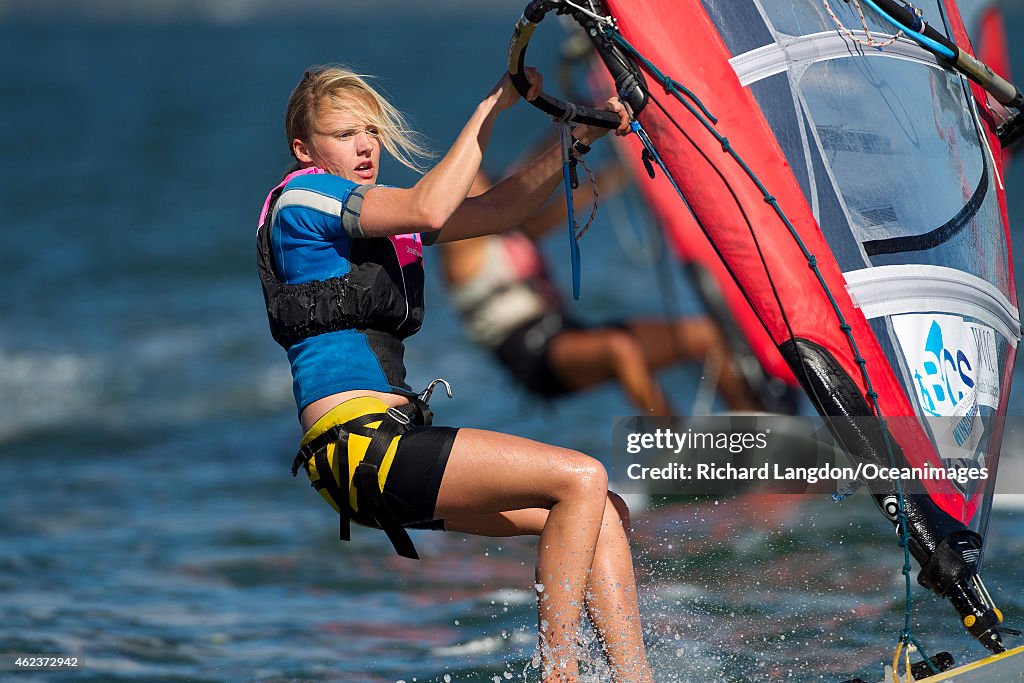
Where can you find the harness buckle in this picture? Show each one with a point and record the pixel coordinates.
(398, 416)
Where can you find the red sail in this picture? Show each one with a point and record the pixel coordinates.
(813, 115)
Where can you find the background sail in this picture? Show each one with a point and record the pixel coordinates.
(986, 27)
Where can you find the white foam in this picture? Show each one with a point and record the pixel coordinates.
(511, 596)
(39, 389)
(488, 644)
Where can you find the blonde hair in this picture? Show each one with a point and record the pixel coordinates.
(350, 92)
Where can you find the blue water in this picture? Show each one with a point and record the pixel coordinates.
(148, 522)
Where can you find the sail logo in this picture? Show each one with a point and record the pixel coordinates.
(947, 375)
(953, 365)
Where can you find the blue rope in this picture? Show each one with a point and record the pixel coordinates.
(701, 113)
(574, 245)
(845, 491)
(923, 40)
(634, 126)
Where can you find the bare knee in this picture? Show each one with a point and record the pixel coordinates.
(623, 347)
(617, 511)
(702, 337)
(585, 476)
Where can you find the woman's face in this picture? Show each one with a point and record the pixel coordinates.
(344, 145)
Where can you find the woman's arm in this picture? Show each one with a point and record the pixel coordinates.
(430, 203)
(510, 202)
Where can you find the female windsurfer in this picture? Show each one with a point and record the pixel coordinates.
(508, 305)
(341, 267)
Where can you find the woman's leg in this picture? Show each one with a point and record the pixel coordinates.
(696, 338)
(612, 602)
(489, 472)
(582, 358)
(611, 597)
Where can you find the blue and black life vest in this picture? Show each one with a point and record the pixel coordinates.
(379, 296)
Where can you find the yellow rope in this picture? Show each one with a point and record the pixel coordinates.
(909, 678)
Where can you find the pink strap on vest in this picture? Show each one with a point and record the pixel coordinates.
(408, 247)
(301, 171)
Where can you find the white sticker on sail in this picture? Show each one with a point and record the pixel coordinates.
(952, 362)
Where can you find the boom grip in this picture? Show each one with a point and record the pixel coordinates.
(557, 108)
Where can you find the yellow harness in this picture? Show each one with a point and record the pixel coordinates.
(367, 432)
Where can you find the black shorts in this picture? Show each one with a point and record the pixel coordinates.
(524, 353)
(414, 480)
